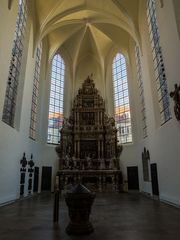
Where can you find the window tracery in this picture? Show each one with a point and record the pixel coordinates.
(141, 90)
(15, 66)
(56, 100)
(33, 120)
(121, 99)
(159, 68)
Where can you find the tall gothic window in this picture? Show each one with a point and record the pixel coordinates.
(15, 66)
(141, 90)
(33, 120)
(159, 68)
(56, 100)
(121, 99)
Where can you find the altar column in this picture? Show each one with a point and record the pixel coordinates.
(76, 118)
(75, 149)
(78, 148)
(102, 150)
(100, 183)
(99, 149)
(101, 120)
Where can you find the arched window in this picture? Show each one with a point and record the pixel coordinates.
(33, 120)
(56, 100)
(15, 66)
(159, 68)
(141, 91)
(121, 99)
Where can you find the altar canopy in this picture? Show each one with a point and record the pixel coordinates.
(88, 150)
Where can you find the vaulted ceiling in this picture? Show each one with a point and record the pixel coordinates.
(82, 27)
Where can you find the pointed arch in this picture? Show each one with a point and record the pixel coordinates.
(121, 99)
(56, 100)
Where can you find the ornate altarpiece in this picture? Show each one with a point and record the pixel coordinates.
(88, 150)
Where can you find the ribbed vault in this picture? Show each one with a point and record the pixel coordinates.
(86, 27)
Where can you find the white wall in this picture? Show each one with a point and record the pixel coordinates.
(15, 141)
(162, 141)
(8, 164)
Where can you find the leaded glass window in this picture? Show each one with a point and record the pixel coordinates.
(160, 75)
(141, 90)
(56, 102)
(15, 66)
(33, 120)
(121, 99)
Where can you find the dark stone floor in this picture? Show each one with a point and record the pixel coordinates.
(114, 217)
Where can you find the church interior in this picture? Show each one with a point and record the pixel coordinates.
(90, 92)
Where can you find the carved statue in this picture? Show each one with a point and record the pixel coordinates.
(66, 161)
(67, 123)
(176, 97)
(74, 162)
(88, 160)
(119, 151)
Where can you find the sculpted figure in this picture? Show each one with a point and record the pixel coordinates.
(88, 159)
(176, 97)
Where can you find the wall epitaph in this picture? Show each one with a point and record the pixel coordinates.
(145, 164)
(30, 170)
(23, 163)
(88, 150)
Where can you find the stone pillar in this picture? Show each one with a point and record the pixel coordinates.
(99, 149)
(104, 183)
(100, 184)
(102, 150)
(78, 118)
(114, 182)
(75, 118)
(79, 178)
(65, 182)
(75, 153)
(78, 148)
